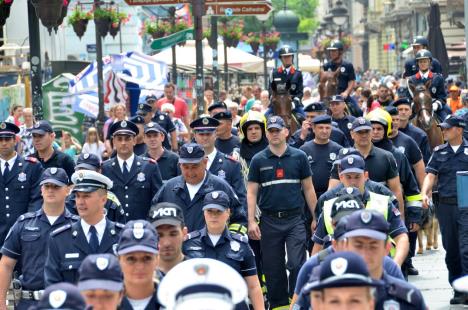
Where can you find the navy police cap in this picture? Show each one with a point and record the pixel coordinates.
(100, 272)
(452, 121)
(144, 108)
(217, 105)
(367, 223)
(54, 175)
(8, 129)
(124, 128)
(315, 107)
(204, 124)
(88, 161)
(42, 127)
(138, 236)
(223, 115)
(191, 153)
(322, 119)
(61, 296)
(216, 200)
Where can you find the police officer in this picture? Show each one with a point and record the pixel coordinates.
(138, 256)
(208, 284)
(374, 195)
(442, 168)
(150, 114)
(43, 139)
(403, 106)
(217, 242)
(220, 164)
(411, 65)
(434, 83)
(226, 142)
(20, 177)
(278, 177)
(168, 161)
(343, 280)
(343, 120)
(54, 298)
(287, 78)
(307, 134)
(70, 244)
(114, 209)
(29, 236)
(346, 75)
(101, 282)
(368, 229)
(140, 147)
(136, 179)
(189, 189)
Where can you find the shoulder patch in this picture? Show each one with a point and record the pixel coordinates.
(60, 229)
(31, 159)
(404, 292)
(148, 159)
(112, 197)
(25, 216)
(193, 234)
(240, 238)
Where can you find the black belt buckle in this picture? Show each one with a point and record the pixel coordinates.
(281, 214)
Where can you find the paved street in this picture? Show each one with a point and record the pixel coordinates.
(432, 279)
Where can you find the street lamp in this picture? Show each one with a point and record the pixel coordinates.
(339, 16)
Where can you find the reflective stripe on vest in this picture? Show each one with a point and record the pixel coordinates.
(327, 206)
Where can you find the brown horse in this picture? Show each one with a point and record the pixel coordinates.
(328, 85)
(426, 120)
(282, 106)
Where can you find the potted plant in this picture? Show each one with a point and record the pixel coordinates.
(63, 14)
(270, 40)
(5, 6)
(79, 19)
(347, 41)
(254, 40)
(118, 18)
(103, 20)
(232, 33)
(49, 12)
(156, 28)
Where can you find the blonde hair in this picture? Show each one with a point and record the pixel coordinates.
(90, 131)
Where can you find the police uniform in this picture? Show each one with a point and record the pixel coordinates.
(135, 189)
(19, 186)
(444, 164)
(139, 148)
(166, 123)
(411, 67)
(288, 78)
(226, 146)
(70, 244)
(58, 158)
(175, 190)
(29, 237)
(345, 123)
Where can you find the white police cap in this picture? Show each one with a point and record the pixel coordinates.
(90, 181)
(208, 284)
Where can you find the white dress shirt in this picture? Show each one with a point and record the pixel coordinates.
(100, 228)
(129, 162)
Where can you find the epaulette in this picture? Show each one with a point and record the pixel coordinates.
(25, 216)
(75, 217)
(230, 157)
(440, 147)
(193, 234)
(403, 292)
(60, 229)
(119, 225)
(31, 159)
(111, 196)
(240, 237)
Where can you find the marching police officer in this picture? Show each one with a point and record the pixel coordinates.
(220, 164)
(114, 209)
(138, 256)
(217, 242)
(168, 161)
(29, 237)
(411, 65)
(20, 176)
(339, 116)
(226, 142)
(136, 179)
(140, 147)
(70, 244)
(151, 114)
(287, 78)
(442, 168)
(189, 189)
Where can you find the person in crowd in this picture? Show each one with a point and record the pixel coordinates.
(70, 145)
(180, 106)
(454, 101)
(182, 132)
(25, 147)
(16, 115)
(119, 114)
(93, 145)
(233, 107)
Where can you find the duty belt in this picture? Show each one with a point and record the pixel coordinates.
(282, 214)
(448, 200)
(32, 295)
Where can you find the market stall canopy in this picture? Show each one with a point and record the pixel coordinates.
(237, 58)
(306, 64)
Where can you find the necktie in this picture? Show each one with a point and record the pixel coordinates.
(6, 171)
(93, 240)
(125, 168)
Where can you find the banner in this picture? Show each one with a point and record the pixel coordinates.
(57, 106)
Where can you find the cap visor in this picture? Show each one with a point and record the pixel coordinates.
(190, 160)
(277, 126)
(370, 233)
(39, 131)
(204, 129)
(342, 214)
(153, 130)
(346, 280)
(7, 134)
(85, 189)
(167, 221)
(52, 181)
(96, 284)
(363, 127)
(137, 248)
(124, 132)
(214, 206)
(445, 125)
(86, 166)
(352, 170)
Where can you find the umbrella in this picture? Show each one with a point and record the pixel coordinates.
(436, 39)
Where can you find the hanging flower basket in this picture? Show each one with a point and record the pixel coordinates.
(80, 27)
(232, 33)
(118, 18)
(79, 20)
(49, 11)
(211, 42)
(270, 40)
(103, 20)
(254, 40)
(114, 29)
(5, 7)
(156, 28)
(62, 15)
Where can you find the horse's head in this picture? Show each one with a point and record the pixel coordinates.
(328, 84)
(422, 100)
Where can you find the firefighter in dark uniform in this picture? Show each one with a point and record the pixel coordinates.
(136, 179)
(287, 78)
(114, 209)
(279, 179)
(306, 133)
(220, 164)
(339, 116)
(436, 86)
(20, 176)
(29, 236)
(346, 76)
(442, 168)
(411, 65)
(189, 189)
(92, 234)
(217, 242)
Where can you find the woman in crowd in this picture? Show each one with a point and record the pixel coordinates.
(93, 145)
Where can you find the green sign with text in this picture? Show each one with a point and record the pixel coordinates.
(173, 39)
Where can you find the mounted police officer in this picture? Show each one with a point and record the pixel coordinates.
(70, 244)
(288, 78)
(411, 65)
(29, 237)
(434, 83)
(346, 75)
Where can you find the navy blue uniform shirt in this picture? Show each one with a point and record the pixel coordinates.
(166, 123)
(407, 146)
(292, 78)
(231, 249)
(346, 73)
(336, 136)
(411, 67)
(398, 294)
(153, 303)
(58, 160)
(421, 139)
(345, 124)
(168, 164)
(227, 146)
(279, 178)
(437, 88)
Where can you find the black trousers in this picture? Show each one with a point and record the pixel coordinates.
(278, 235)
